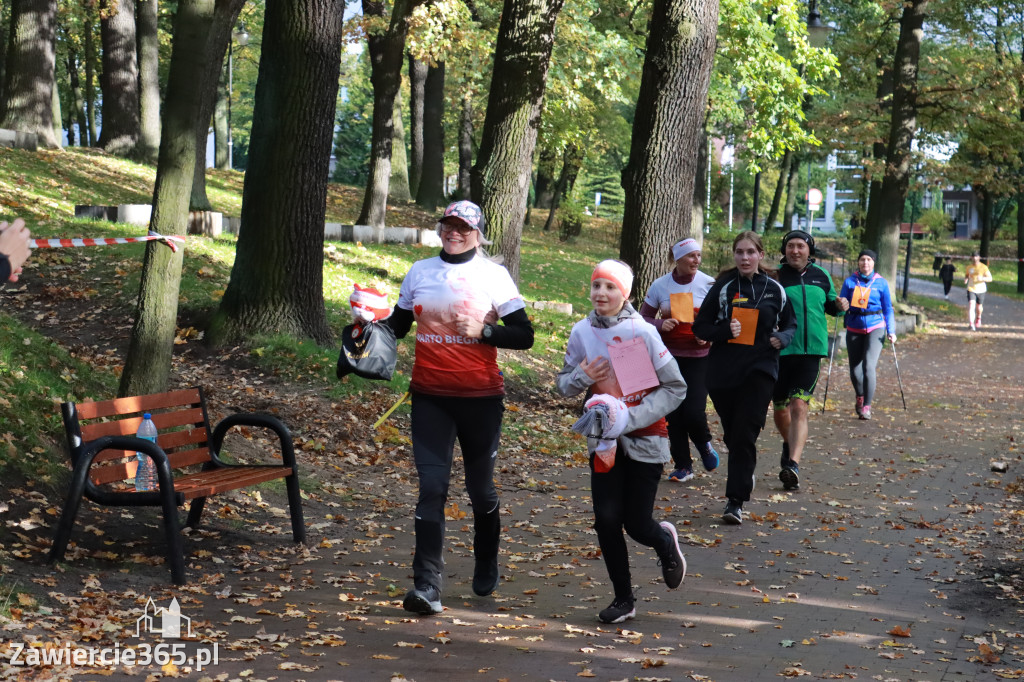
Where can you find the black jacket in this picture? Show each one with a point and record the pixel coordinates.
(729, 364)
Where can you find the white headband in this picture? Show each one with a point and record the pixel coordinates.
(685, 247)
(617, 272)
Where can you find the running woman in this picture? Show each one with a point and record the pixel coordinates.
(670, 305)
(456, 299)
(868, 321)
(976, 277)
(747, 318)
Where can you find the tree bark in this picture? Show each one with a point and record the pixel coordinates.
(431, 190)
(221, 137)
(77, 100)
(276, 283)
(119, 81)
(149, 80)
(883, 96)
(387, 51)
(225, 17)
(417, 82)
(88, 28)
(465, 190)
(984, 197)
(791, 190)
(659, 177)
(1020, 243)
(544, 186)
(4, 23)
(898, 169)
(501, 176)
(780, 186)
(700, 185)
(148, 363)
(29, 83)
(398, 185)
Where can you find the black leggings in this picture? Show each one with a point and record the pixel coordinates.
(624, 498)
(864, 350)
(436, 423)
(690, 419)
(743, 410)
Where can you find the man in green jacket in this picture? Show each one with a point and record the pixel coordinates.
(812, 294)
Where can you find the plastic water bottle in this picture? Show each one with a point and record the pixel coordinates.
(145, 474)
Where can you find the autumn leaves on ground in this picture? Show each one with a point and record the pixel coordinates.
(898, 560)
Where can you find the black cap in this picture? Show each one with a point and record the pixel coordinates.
(798, 234)
(868, 252)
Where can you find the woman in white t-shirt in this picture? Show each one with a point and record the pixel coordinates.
(456, 300)
(687, 286)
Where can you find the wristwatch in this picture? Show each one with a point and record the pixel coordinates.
(488, 331)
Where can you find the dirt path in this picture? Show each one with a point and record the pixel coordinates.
(894, 562)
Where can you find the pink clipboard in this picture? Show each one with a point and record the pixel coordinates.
(632, 366)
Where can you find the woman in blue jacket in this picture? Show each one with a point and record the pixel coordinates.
(868, 321)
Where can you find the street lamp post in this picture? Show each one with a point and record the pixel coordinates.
(242, 36)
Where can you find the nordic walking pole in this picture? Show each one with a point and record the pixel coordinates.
(831, 354)
(898, 378)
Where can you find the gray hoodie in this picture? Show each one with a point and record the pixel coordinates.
(572, 380)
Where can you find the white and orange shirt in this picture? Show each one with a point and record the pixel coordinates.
(448, 364)
(680, 340)
(587, 342)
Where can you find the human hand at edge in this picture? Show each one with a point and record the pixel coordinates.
(669, 324)
(844, 304)
(597, 370)
(14, 244)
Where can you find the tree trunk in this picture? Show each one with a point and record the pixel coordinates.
(398, 185)
(148, 363)
(224, 19)
(1020, 243)
(29, 82)
(4, 23)
(700, 185)
(149, 80)
(88, 28)
(417, 82)
(119, 81)
(501, 176)
(465, 190)
(55, 114)
(544, 186)
(984, 196)
(77, 99)
(276, 283)
(659, 177)
(898, 169)
(773, 212)
(387, 52)
(431, 190)
(791, 191)
(221, 135)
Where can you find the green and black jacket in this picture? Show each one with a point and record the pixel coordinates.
(812, 295)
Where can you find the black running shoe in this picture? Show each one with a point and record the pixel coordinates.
(619, 611)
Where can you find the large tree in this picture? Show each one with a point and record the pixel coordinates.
(27, 103)
(430, 191)
(149, 80)
(276, 283)
(501, 175)
(659, 178)
(207, 82)
(883, 232)
(148, 363)
(387, 52)
(119, 81)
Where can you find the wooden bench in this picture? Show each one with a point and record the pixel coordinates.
(103, 462)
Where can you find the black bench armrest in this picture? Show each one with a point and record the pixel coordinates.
(260, 420)
(84, 455)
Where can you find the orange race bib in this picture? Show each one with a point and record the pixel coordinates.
(682, 306)
(748, 325)
(861, 296)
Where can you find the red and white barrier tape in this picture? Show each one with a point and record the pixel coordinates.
(102, 241)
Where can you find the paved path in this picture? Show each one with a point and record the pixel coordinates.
(881, 568)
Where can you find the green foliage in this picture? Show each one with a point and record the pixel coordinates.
(936, 222)
(764, 72)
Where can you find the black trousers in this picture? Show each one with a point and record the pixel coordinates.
(689, 421)
(436, 423)
(624, 499)
(743, 410)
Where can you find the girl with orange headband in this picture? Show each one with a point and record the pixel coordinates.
(620, 362)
